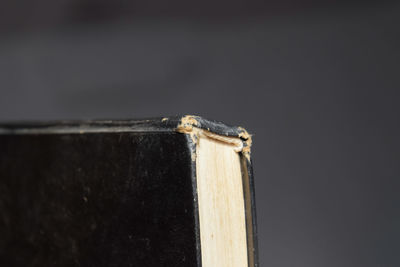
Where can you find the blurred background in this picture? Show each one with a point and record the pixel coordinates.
(315, 82)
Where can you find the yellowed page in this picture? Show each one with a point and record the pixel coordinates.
(221, 204)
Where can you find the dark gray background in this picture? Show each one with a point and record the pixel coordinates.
(315, 83)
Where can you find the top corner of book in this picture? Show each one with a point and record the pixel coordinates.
(187, 122)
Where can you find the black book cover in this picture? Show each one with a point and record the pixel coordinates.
(107, 193)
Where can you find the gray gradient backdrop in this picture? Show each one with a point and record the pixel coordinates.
(318, 88)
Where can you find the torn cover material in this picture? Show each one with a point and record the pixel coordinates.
(197, 127)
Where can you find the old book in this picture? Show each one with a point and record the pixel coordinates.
(172, 191)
